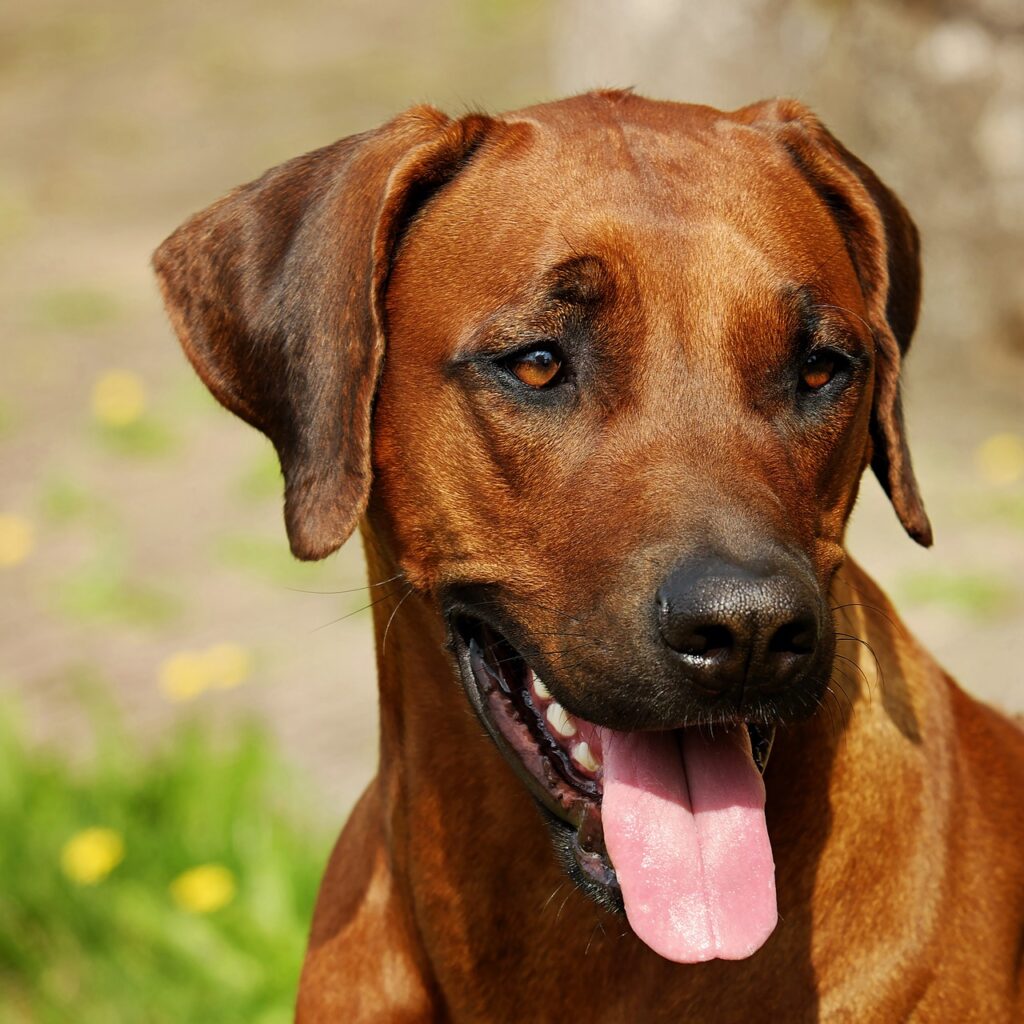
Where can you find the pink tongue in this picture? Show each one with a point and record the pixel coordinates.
(685, 830)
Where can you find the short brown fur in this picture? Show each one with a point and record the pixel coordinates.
(342, 305)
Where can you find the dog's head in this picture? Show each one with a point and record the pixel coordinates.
(607, 373)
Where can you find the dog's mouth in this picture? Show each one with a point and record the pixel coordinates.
(668, 826)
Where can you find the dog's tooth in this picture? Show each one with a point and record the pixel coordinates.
(584, 757)
(539, 688)
(559, 720)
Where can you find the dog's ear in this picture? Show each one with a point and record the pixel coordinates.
(277, 290)
(883, 245)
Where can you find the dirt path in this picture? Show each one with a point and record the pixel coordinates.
(147, 527)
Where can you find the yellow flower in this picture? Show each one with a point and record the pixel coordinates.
(1000, 458)
(183, 675)
(227, 665)
(16, 540)
(118, 398)
(90, 855)
(203, 889)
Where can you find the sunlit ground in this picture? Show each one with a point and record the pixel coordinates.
(188, 714)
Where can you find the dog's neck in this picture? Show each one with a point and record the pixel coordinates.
(463, 834)
(436, 760)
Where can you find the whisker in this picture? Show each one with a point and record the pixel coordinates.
(350, 590)
(356, 611)
(547, 654)
(823, 703)
(557, 890)
(898, 626)
(863, 674)
(556, 633)
(848, 638)
(384, 641)
(529, 600)
(846, 678)
(843, 309)
(600, 642)
(562, 907)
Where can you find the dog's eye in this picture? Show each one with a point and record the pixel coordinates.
(538, 367)
(818, 370)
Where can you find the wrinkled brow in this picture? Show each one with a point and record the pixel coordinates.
(813, 318)
(584, 281)
(571, 289)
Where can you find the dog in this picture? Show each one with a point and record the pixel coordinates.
(599, 379)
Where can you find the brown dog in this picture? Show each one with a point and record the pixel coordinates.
(637, 357)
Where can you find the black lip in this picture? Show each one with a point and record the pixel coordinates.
(479, 690)
(570, 805)
(571, 810)
(554, 754)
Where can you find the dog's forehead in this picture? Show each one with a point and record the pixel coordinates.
(638, 160)
(696, 205)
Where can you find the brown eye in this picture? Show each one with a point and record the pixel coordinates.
(537, 368)
(818, 370)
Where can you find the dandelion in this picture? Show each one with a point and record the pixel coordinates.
(183, 675)
(17, 538)
(90, 855)
(118, 398)
(1000, 459)
(227, 665)
(203, 889)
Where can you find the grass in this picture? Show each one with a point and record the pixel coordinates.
(1005, 509)
(75, 308)
(146, 438)
(262, 480)
(121, 949)
(101, 592)
(186, 395)
(63, 501)
(269, 559)
(973, 594)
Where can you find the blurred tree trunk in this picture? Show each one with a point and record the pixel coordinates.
(931, 94)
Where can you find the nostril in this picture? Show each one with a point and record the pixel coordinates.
(707, 641)
(797, 637)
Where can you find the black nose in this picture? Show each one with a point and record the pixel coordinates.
(739, 627)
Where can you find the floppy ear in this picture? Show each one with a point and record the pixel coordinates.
(276, 293)
(883, 245)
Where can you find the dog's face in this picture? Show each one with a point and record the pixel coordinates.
(637, 358)
(622, 424)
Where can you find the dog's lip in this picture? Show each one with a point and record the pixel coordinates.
(570, 798)
(509, 696)
(502, 691)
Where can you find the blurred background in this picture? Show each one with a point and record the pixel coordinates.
(186, 714)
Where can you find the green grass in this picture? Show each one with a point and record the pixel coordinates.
(262, 479)
(146, 438)
(77, 308)
(120, 949)
(971, 593)
(270, 560)
(1006, 509)
(64, 501)
(102, 592)
(273, 562)
(186, 395)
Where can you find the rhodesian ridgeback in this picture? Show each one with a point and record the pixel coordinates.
(599, 380)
